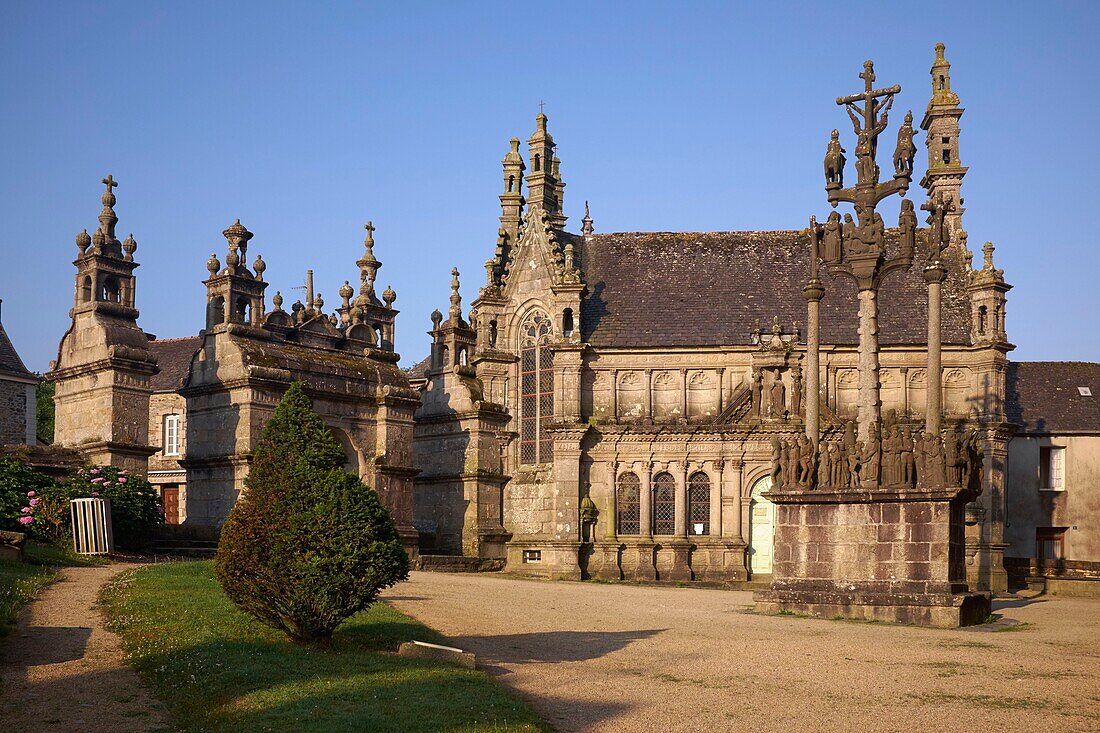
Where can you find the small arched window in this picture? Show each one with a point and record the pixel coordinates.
(567, 322)
(511, 184)
(215, 312)
(112, 292)
(983, 314)
(699, 503)
(462, 358)
(241, 310)
(86, 289)
(628, 504)
(492, 334)
(942, 80)
(538, 164)
(664, 504)
(536, 389)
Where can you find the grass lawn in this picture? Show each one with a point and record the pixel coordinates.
(20, 582)
(217, 669)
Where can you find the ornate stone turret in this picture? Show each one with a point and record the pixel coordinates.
(366, 318)
(103, 364)
(511, 201)
(941, 123)
(453, 340)
(586, 222)
(368, 265)
(987, 289)
(234, 294)
(544, 189)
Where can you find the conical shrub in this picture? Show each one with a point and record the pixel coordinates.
(307, 544)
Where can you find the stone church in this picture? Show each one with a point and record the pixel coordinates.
(607, 406)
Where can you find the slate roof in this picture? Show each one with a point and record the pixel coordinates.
(420, 369)
(10, 363)
(669, 289)
(1043, 396)
(174, 360)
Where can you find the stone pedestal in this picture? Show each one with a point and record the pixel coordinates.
(882, 554)
(681, 561)
(645, 569)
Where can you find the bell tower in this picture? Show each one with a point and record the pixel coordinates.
(103, 363)
(544, 187)
(943, 180)
(234, 294)
(511, 201)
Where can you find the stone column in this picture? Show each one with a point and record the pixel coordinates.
(684, 393)
(648, 393)
(682, 504)
(645, 510)
(721, 390)
(614, 395)
(736, 528)
(612, 517)
(934, 275)
(645, 569)
(813, 293)
(869, 405)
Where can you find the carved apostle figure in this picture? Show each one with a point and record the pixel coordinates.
(834, 161)
(848, 235)
(890, 455)
(790, 457)
(837, 468)
(908, 463)
(955, 457)
(869, 460)
(831, 239)
(851, 454)
(824, 467)
(935, 460)
(777, 463)
(756, 389)
(805, 461)
(906, 150)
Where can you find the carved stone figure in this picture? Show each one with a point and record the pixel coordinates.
(935, 461)
(778, 398)
(851, 454)
(907, 226)
(796, 392)
(777, 463)
(790, 457)
(890, 456)
(905, 150)
(837, 469)
(756, 389)
(824, 467)
(834, 161)
(956, 457)
(869, 460)
(849, 243)
(805, 461)
(831, 239)
(908, 463)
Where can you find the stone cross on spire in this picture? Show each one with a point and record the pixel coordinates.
(368, 263)
(107, 217)
(868, 130)
(111, 182)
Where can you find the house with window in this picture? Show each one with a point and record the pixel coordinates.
(17, 396)
(167, 424)
(1052, 497)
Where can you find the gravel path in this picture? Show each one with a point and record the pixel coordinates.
(597, 657)
(61, 670)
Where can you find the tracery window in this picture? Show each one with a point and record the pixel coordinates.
(664, 504)
(628, 504)
(536, 389)
(699, 503)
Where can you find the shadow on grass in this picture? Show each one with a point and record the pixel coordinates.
(217, 669)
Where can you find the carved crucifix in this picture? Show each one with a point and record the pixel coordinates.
(875, 115)
(111, 182)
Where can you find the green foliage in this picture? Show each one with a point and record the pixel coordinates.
(307, 545)
(44, 410)
(135, 507)
(217, 669)
(16, 479)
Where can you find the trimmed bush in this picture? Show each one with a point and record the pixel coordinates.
(307, 545)
(16, 480)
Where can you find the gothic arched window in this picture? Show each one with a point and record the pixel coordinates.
(536, 389)
(699, 503)
(664, 504)
(628, 504)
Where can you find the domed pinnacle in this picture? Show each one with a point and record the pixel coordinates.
(83, 241)
(389, 296)
(107, 217)
(130, 246)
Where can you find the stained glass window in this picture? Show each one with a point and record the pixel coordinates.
(627, 504)
(699, 503)
(536, 390)
(664, 504)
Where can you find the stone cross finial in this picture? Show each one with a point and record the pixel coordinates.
(541, 105)
(111, 182)
(987, 251)
(586, 222)
(456, 299)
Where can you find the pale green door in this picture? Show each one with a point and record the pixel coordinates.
(761, 528)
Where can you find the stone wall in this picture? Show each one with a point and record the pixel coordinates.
(17, 412)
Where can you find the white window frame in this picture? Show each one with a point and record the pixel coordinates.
(1056, 471)
(171, 435)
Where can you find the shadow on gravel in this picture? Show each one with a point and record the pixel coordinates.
(48, 645)
(999, 603)
(550, 646)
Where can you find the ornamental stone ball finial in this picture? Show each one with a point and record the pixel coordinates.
(389, 296)
(456, 298)
(83, 241)
(437, 318)
(213, 265)
(318, 302)
(130, 246)
(98, 240)
(258, 265)
(277, 301)
(107, 218)
(346, 292)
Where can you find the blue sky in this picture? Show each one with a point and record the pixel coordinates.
(307, 119)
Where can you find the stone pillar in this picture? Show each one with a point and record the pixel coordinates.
(813, 293)
(682, 504)
(715, 528)
(684, 393)
(735, 528)
(869, 405)
(615, 395)
(934, 275)
(645, 509)
(612, 516)
(645, 569)
(721, 390)
(648, 393)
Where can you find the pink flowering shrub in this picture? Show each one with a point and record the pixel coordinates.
(19, 487)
